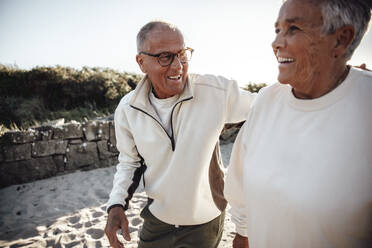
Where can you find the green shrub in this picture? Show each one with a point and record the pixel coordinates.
(28, 97)
(254, 88)
(31, 97)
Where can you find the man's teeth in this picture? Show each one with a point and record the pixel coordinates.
(285, 60)
(175, 77)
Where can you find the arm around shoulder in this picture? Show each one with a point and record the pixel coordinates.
(239, 102)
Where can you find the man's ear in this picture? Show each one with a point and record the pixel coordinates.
(344, 37)
(140, 62)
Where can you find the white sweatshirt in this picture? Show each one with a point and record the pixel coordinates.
(301, 170)
(176, 165)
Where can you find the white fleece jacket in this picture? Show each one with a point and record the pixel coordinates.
(175, 167)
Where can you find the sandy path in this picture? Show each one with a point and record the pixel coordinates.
(69, 211)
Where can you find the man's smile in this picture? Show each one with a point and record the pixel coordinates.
(176, 77)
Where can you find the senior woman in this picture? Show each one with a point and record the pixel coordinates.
(301, 168)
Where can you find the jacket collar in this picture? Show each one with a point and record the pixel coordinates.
(140, 97)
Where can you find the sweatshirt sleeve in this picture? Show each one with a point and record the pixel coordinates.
(234, 185)
(239, 102)
(130, 167)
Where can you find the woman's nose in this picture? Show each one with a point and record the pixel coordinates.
(279, 42)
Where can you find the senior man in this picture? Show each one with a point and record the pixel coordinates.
(167, 132)
(301, 167)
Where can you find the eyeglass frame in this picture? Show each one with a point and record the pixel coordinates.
(173, 55)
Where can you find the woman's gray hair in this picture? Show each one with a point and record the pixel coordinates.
(145, 30)
(338, 13)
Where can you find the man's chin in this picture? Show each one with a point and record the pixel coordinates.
(178, 88)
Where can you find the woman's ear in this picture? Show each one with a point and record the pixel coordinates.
(141, 62)
(344, 37)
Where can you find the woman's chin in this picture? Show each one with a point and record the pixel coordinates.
(283, 80)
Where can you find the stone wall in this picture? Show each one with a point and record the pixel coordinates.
(229, 133)
(48, 151)
(52, 150)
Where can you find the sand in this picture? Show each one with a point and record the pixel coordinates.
(69, 211)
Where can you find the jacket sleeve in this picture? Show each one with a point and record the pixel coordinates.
(130, 167)
(239, 102)
(234, 185)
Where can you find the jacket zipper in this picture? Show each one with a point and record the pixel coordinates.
(170, 137)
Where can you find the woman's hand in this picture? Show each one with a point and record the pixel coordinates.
(363, 67)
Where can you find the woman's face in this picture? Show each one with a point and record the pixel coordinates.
(303, 52)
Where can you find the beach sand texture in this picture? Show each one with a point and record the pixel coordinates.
(69, 211)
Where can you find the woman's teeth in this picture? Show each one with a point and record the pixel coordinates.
(285, 60)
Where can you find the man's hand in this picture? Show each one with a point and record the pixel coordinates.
(117, 220)
(363, 67)
(240, 241)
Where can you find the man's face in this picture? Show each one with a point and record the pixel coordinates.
(169, 80)
(303, 52)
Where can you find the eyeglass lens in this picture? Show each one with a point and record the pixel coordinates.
(167, 58)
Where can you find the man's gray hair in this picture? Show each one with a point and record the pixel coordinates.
(145, 30)
(338, 13)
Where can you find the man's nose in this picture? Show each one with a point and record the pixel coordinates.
(176, 63)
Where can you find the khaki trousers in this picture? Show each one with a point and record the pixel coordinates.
(157, 234)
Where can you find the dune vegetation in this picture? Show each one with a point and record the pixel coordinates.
(31, 97)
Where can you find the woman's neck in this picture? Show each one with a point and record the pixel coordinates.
(322, 85)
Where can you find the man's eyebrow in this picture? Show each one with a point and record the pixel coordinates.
(169, 52)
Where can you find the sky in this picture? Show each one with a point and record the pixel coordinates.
(231, 38)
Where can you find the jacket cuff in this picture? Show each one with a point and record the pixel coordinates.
(114, 206)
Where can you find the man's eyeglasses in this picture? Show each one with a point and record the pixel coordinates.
(166, 58)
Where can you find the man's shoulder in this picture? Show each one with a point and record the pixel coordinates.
(126, 99)
(123, 105)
